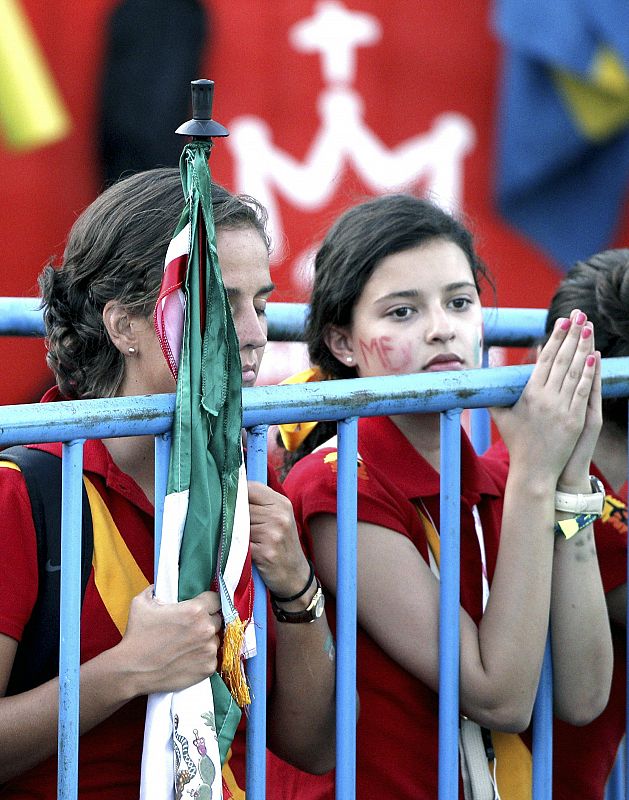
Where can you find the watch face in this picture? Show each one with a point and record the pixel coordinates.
(318, 609)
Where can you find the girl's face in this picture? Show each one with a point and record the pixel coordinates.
(419, 312)
(244, 262)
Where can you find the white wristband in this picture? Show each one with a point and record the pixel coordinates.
(582, 503)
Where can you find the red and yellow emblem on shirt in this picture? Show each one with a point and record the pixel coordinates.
(615, 513)
(332, 460)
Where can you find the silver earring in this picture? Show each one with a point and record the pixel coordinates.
(349, 359)
(132, 349)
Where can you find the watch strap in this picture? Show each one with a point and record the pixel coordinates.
(312, 612)
(582, 503)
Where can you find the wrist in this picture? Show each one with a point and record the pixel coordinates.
(301, 603)
(575, 479)
(301, 585)
(574, 485)
(307, 608)
(122, 680)
(531, 483)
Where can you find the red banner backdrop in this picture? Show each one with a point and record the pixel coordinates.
(327, 102)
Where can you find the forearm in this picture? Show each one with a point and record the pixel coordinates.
(513, 631)
(28, 722)
(301, 707)
(581, 637)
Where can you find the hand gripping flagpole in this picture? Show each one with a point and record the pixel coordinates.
(205, 536)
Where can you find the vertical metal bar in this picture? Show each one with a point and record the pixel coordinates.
(481, 420)
(449, 601)
(346, 610)
(256, 666)
(543, 731)
(616, 781)
(162, 461)
(70, 620)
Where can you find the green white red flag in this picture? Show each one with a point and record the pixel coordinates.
(205, 532)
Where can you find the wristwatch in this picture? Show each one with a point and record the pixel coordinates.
(313, 611)
(582, 503)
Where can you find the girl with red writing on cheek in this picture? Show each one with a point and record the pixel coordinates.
(397, 290)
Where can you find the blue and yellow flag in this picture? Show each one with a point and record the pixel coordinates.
(563, 124)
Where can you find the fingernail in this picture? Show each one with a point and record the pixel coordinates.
(586, 333)
(580, 318)
(565, 324)
(590, 360)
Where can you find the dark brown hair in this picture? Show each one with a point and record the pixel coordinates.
(351, 251)
(599, 286)
(115, 250)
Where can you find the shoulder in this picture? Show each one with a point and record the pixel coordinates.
(318, 469)
(18, 545)
(312, 487)
(12, 487)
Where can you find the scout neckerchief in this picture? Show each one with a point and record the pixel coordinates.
(510, 774)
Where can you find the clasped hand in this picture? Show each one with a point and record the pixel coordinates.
(554, 426)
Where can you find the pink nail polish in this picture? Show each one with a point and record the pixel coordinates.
(590, 360)
(580, 318)
(586, 333)
(565, 324)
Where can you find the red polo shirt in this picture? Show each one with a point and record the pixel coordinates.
(397, 745)
(110, 754)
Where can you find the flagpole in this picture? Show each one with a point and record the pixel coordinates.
(202, 128)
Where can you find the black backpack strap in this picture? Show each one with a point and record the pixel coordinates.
(37, 656)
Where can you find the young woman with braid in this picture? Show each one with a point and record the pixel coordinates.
(396, 291)
(98, 309)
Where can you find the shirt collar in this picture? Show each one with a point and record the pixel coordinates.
(97, 460)
(381, 442)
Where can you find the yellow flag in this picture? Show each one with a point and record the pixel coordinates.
(32, 111)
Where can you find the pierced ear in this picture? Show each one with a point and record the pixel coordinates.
(118, 324)
(340, 344)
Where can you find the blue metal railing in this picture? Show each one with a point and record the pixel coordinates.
(343, 401)
(22, 316)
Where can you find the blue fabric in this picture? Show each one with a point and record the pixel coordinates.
(561, 189)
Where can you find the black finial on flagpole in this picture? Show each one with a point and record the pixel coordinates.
(202, 126)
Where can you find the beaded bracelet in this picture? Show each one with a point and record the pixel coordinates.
(569, 527)
(290, 599)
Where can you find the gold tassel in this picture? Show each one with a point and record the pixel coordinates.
(232, 670)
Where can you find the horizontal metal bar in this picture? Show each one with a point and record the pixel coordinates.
(269, 405)
(22, 316)
(398, 394)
